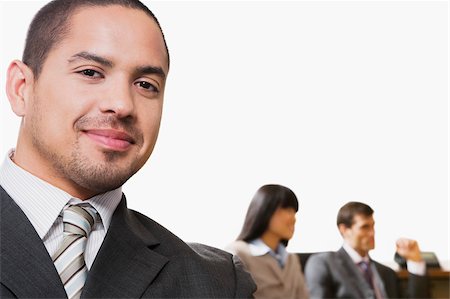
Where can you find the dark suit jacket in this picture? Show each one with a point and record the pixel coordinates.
(334, 275)
(138, 259)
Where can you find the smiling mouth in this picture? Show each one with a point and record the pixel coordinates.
(111, 139)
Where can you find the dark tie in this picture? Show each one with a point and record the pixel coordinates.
(367, 273)
(69, 259)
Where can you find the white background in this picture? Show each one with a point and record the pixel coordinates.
(339, 101)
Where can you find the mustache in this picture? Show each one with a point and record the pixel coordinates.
(125, 125)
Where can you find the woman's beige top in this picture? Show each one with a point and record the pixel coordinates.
(272, 280)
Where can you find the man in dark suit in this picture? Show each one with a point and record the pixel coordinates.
(351, 273)
(90, 92)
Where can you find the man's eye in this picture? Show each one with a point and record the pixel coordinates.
(91, 73)
(146, 85)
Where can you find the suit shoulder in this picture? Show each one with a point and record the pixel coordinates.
(172, 244)
(212, 270)
(224, 265)
(209, 253)
(223, 268)
(238, 247)
(320, 263)
(216, 258)
(149, 230)
(322, 257)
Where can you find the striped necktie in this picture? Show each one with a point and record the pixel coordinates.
(69, 259)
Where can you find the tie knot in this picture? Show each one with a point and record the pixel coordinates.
(364, 265)
(79, 220)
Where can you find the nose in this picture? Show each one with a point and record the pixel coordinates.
(293, 217)
(118, 99)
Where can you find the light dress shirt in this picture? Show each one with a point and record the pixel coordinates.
(416, 268)
(377, 281)
(258, 248)
(43, 204)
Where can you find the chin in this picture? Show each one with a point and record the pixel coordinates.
(100, 174)
(288, 237)
(369, 248)
(103, 182)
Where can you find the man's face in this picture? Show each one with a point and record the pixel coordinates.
(361, 235)
(93, 115)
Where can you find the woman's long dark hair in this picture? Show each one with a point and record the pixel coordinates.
(265, 202)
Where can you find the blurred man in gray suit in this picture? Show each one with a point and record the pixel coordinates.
(90, 93)
(351, 273)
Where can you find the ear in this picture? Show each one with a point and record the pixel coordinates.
(343, 230)
(19, 84)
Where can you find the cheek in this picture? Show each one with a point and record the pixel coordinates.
(363, 238)
(292, 219)
(351, 236)
(50, 127)
(149, 117)
(52, 120)
(274, 224)
(288, 218)
(58, 114)
(60, 100)
(279, 224)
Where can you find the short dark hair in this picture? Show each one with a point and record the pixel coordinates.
(263, 205)
(348, 211)
(51, 24)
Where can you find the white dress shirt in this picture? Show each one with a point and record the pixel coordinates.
(43, 204)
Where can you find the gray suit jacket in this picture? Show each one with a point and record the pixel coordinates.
(334, 275)
(138, 259)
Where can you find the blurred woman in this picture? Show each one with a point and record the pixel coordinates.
(261, 245)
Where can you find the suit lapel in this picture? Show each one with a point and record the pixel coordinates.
(125, 264)
(26, 267)
(351, 275)
(378, 279)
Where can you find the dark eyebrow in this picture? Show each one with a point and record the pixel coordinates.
(151, 70)
(92, 57)
(144, 70)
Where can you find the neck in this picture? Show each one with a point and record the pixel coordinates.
(271, 240)
(362, 253)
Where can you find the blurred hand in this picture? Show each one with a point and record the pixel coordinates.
(408, 249)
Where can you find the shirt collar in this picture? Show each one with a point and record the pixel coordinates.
(356, 258)
(257, 247)
(42, 202)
